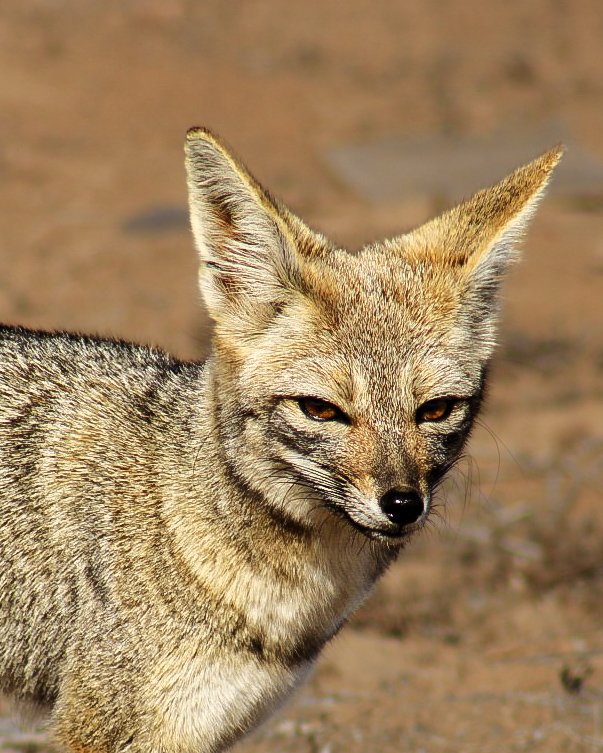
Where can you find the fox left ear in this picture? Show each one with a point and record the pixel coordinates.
(477, 240)
(247, 253)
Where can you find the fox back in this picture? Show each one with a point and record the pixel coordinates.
(179, 540)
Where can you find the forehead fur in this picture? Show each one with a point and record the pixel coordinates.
(365, 327)
(383, 295)
(367, 330)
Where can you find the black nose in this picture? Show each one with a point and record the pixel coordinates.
(402, 506)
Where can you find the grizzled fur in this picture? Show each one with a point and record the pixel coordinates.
(178, 541)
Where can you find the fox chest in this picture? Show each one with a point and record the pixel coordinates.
(210, 704)
(214, 694)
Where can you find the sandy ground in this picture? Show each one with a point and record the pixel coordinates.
(487, 635)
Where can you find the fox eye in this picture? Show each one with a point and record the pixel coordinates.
(321, 410)
(435, 410)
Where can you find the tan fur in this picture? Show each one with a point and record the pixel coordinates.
(178, 541)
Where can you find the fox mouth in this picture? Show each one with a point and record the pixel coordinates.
(399, 513)
(393, 534)
(390, 532)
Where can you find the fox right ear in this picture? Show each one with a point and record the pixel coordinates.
(475, 242)
(248, 258)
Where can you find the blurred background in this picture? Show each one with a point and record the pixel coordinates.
(366, 117)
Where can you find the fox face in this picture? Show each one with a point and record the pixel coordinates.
(347, 385)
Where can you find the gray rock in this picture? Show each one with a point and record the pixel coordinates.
(450, 169)
(158, 219)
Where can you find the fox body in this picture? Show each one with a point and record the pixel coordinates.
(179, 540)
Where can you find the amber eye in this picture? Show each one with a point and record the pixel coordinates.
(320, 410)
(435, 410)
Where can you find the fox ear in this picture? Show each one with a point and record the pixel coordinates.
(477, 240)
(246, 252)
(481, 234)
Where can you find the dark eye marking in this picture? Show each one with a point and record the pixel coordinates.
(321, 410)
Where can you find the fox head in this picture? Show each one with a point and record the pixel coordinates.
(353, 378)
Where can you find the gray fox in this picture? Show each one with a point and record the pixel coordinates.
(179, 540)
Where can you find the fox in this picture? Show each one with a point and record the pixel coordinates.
(178, 539)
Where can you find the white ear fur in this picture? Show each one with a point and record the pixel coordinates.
(485, 274)
(487, 266)
(501, 245)
(507, 208)
(244, 247)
